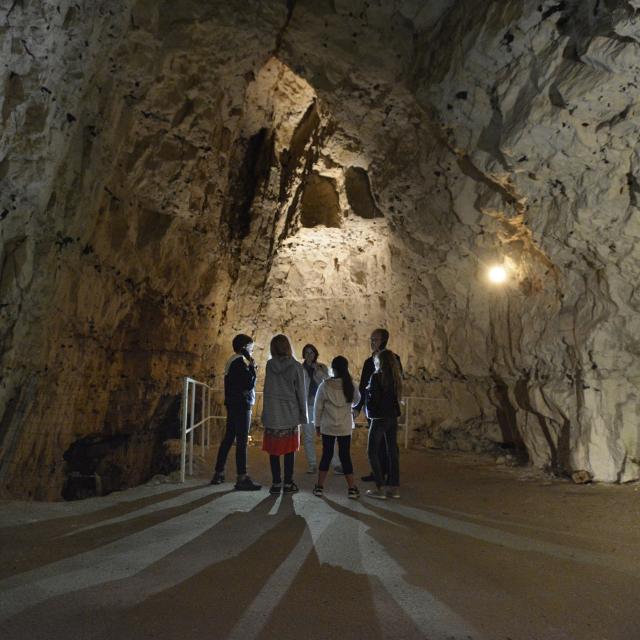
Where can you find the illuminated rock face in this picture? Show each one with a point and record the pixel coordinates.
(174, 173)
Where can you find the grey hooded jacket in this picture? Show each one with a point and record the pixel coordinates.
(285, 400)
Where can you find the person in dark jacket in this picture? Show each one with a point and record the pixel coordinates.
(382, 405)
(379, 339)
(239, 398)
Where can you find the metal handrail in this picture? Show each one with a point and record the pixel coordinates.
(189, 425)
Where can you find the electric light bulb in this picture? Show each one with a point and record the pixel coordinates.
(497, 274)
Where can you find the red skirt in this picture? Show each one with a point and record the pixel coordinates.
(277, 442)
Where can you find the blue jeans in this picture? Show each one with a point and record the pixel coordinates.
(383, 432)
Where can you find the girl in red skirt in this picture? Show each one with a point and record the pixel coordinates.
(284, 409)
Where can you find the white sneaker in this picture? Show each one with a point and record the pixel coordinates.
(312, 469)
(338, 470)
(378, 494)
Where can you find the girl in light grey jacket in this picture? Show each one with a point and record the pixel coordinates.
(284, 409)
(333, 417)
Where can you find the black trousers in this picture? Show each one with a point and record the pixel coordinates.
(383, 434)
(238, 423)
(382, 456)
(344, 452)
(274, 461)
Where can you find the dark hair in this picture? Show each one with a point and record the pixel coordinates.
(240, 342)
(280, 346)
(340, 366)
(391, 374)
(384, 337)
(316, 353)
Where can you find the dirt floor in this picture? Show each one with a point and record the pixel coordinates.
(471, 550)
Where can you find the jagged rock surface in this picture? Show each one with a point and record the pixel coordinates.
(172, 173)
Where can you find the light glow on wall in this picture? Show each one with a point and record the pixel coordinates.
(497, 274)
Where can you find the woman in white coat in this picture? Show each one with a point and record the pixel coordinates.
(333, 418)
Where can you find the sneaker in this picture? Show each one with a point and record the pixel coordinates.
(368, 478)
(393, 493)
(276, 488)
(312, 469)
(247, 484)
(218, 477)
(317, 491)
(353, 493)
(290, 487)
(338, 470)
(379, 494)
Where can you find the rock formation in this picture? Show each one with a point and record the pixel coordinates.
(172, 173)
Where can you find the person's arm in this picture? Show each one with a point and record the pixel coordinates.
(318, 407)
(301, 394)
(367, 370)
(373, 396)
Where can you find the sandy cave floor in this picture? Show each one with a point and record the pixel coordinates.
(472, 550)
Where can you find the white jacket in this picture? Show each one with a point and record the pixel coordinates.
(332, 411)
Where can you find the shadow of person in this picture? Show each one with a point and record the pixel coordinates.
(46, 542)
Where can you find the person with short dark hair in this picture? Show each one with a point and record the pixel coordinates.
(284, 410)
(314, 374)
(239, 398)
(333, 420)
(382, 404)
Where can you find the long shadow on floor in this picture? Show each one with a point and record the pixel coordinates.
(250, 575)
(28, 547)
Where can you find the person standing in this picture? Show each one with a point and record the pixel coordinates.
(239, 398)
(284, 410)
(378, 340)
(333, 420)
(315, 373)
(382, 405)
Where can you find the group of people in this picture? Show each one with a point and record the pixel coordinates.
(306, 397)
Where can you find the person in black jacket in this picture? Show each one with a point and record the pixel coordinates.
(383, 409)
(379, 339)
(239, 398)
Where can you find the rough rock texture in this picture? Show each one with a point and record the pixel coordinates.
(172, 173)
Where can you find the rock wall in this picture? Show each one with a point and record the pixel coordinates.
(173, 173)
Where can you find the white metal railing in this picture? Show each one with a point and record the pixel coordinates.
(189, 424)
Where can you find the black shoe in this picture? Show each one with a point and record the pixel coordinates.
(276, 488)
(247, 484)
(369, 478)
(218, 477)
(291, 487)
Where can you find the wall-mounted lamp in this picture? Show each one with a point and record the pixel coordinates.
(497, 274)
